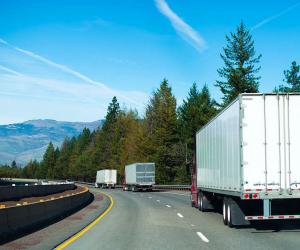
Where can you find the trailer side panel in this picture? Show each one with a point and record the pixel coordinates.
(218, 151)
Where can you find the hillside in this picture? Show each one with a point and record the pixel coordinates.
(28, 140)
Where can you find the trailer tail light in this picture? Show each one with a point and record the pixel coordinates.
(250, 196)
(246, 196)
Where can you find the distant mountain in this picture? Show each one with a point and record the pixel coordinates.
(28, 140)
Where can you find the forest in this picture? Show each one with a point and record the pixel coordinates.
(165, 133)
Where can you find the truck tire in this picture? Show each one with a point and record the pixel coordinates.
(224, 211)
(200, 202)
(229, 214)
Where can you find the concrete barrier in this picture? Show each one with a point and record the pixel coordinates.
(17, 192)
(19, 219)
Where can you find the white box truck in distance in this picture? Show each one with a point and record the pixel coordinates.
(248, 160)
(106, 178)
(139, 176)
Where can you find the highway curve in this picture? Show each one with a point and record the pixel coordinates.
(165, 220)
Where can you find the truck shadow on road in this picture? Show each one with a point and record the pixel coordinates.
(277, 226)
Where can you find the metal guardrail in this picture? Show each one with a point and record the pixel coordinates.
(156, 187)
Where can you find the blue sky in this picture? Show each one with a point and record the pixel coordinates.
(65, 59)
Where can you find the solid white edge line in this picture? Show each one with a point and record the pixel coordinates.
(202, 237)
(180, 215)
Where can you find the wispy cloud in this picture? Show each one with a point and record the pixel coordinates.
(32, 97)
(72, 72)
(271, 18)
(182, 28)
(11, 71)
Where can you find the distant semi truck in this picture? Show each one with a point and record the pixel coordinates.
(139, 176)
(247, 160)
(106, 178)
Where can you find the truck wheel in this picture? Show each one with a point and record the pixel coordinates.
(229, 215)
(224, 210)
(200, 202)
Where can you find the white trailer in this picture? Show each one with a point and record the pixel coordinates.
(106, 178)
(139, 176)
(247, 160)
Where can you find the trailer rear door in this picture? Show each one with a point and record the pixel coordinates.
(271, 142)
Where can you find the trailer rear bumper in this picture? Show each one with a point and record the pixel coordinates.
(273, 217)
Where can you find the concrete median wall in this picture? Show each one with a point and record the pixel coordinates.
(25, 217)
(17, 192)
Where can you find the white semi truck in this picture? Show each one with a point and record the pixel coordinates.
(106, 178)
(139, 176)
(248, 160)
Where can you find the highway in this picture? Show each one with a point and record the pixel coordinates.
(165, 220)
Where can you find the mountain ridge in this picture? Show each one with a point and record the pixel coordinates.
(29, 139)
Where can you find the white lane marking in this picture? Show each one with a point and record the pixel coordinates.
(150, 197)
(174, 193)
(180, 215)
(168, 206)
(158, 200)
(202, 237)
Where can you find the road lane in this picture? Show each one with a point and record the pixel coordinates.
(139, 222)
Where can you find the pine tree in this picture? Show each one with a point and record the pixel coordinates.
(195, 112)
(48, 162)
(161, 135)
(14, 164)
(292, 78)
(240, 68)
(109, 140)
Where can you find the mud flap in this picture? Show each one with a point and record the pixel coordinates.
(207, 202)
(237, 215)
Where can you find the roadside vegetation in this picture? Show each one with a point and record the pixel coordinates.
(165, 135)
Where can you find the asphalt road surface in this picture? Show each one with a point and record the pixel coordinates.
(165, 220)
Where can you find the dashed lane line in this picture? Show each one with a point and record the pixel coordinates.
(202, 237)
(180, 215)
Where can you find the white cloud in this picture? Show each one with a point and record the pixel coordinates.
(271, 18)
(11, 71)
(182, 28)
(66, 69)
(31, 97)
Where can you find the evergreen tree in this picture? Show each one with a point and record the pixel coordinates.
(292, 78)
(239, 71)
(63, 159)
(14, 164)
(30, 170)
(80, 145)
(161, 133)
(108, 143)
(194, 113)
(48, 163)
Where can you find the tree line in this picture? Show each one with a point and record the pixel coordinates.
(165, 135)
